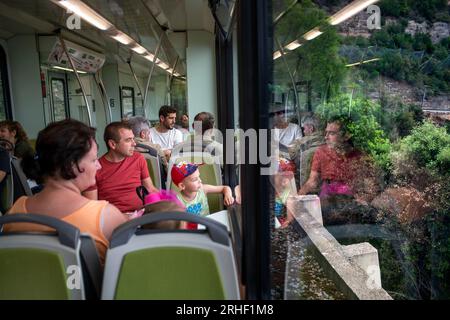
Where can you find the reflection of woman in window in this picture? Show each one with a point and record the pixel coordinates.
(14, 133)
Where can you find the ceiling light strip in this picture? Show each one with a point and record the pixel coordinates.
(95, 19)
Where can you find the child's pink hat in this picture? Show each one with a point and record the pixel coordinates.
(163, 195)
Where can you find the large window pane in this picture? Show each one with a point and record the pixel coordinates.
(371, 95)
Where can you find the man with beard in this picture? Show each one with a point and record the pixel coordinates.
(122, 170)
(165, 134)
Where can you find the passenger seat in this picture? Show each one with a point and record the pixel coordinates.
(170, 264)
(41, 266)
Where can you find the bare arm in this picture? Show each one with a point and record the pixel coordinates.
(112, 218)
(92, 195)
(148, 184)
(311, 184)
(225, 190)
(167, 154)
(237, 192)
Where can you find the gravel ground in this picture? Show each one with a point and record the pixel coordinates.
(295, 273)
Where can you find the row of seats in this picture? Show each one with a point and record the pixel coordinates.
(140, 263)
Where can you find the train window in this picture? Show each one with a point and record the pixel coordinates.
(59, 94)
(127, 102)
(4, 88)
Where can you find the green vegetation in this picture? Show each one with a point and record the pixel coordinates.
(428, 146)
(414, 59)
(428, 9)
(414, 153)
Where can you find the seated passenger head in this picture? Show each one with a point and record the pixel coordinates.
(164, 206)
(119, 138)
(186, 176)
(167, 117)
(140, 127)
(12, 131)
(310, 125)
(184, 121)
(336, 133)
(64, 150)
(203, 122)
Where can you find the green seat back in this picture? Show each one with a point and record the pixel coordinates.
(154, 170)
(32, 274)
(176, 273)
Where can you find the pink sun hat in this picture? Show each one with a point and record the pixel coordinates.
(163, 195)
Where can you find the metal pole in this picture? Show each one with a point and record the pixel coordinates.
(282, 14)
(292, 79)
(137, 81)
(102, 89)
(169, 84)
(150, 74)
(78, 79)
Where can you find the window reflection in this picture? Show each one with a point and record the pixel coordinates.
(372, 109)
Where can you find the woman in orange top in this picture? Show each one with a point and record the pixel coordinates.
(66, 163)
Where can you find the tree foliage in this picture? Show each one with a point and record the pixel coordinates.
(429, 146)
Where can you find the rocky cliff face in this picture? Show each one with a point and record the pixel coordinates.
(437, 31)
(356, 26)
(410, 95)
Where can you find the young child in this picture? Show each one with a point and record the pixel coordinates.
(164, 206)
(186, 177)
(282, 182)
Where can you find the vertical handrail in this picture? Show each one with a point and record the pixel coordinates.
(155, 57)
(137, 83)
(169, 83)
(291, 75)
(63, 43)
(101, 87)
